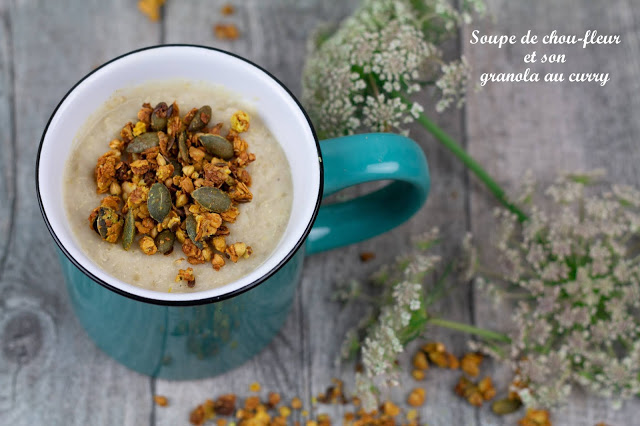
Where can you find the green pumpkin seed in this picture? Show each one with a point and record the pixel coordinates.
(197, 123)
(183, 153)
(506, 406)
(177, 167)
(192, 227)
(164, 241)
(159, 117)
(106, 218)
(217, 145)
(143, 142)
(212, 199)
(159, 201)
(129, 230)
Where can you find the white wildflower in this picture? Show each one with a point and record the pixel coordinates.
(368, 66)
(578, 261)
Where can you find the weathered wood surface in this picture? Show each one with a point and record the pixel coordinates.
(550, 128)
(50, 373)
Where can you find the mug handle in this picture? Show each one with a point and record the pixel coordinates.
(352, 160)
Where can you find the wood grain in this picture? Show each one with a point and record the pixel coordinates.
(273, 35)
(548, 128)
(51, 372)
(7, 131)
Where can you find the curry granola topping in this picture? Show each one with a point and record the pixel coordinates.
(171, 178)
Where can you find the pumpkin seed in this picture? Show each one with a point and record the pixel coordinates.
(182, 147)
(159, 117)
(164, 241)
(212, 199)
(177, 167)
(197, 123)
(129, 230)
(192, 230)
(217, 145)
(506, 406)
(107, 217)
(159, 201)
(143, 142)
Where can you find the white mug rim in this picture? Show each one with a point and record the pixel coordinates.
(195, 301)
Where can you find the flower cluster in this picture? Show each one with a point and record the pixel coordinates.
(400, 317)
(360, 76)
(575, 269)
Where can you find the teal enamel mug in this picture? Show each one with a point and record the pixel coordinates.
(205, 333)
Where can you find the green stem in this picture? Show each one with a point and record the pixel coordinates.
(439, 287)
(466, 328)
(468, 161)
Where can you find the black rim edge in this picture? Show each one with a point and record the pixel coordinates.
(194, 302)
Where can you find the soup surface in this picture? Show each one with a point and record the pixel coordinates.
(261, 222)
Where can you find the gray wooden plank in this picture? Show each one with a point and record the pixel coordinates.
(7, 131)
(50, 371)
(326, 321)
(553, 127)
(274, 35)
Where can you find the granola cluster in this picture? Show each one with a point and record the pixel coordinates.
(173, 178)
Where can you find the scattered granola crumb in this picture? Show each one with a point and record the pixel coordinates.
(474, 393)
(420, 361)
(438, 355)
(161, 400)
(151, 8)
(240, 121)
(284, 411)
(254, 387)
(418, 374)
(390, 409)
(296, 403)
(412, 414)
(470, 363)
(273, 399)
(227, 10)
(367, 256)
(535, 418)
(416, 397)
(226, 31)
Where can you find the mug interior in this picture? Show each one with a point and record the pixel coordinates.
(279, 110)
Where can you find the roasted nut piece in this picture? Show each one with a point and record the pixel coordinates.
(187, 276)
(226, 31)
(217, 261)
(470, 364)
(148, 246)
(225, 405)
(416, 397)
(105, 171)
(139, 128)
(161, 400)
(194, 254)
(240, 121)
(140, 167)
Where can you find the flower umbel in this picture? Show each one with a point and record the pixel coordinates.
(362, 75)
(359, 76)
(575, 267)
(400, 317)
